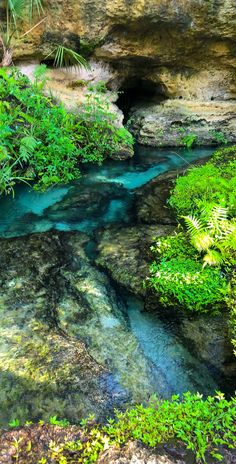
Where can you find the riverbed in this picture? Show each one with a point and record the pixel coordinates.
(143, 353)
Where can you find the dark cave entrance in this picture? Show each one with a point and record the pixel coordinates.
(137, 91)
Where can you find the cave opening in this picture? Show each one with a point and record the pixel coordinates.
(138, 91)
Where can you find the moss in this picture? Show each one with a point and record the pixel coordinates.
(88, 46)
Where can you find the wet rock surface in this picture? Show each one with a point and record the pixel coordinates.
(125, 253)
(63, 335)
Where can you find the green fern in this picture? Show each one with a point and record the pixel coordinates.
(213, 258)
(27, 147)
(213, 234)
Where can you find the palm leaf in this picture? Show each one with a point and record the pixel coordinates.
(35, 5)
(66, 57)
(15, 8)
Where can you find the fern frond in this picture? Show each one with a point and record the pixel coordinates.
(27, 147)
(212, 258)
(202, 241)
(193, 224)
(217, 218)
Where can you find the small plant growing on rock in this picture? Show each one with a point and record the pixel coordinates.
(189, 140)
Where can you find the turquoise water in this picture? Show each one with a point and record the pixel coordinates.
(104, 196)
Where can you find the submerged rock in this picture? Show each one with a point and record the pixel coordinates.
(65, 348)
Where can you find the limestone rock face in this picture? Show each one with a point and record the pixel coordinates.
(181, 49)
(174, 122)
(188, 48)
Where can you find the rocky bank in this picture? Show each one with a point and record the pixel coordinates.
(177, 53)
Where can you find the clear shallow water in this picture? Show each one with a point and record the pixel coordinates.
(102, 197)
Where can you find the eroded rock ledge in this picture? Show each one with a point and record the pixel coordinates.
(177, 49)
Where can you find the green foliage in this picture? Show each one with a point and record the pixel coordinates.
(41, 142)
(101, 137)
(213, 235)
(53, 420)
(14, 423)
(223, 155)
(219, 137)
(205, 198)
(66, 57)
(181, 279)
(189, 140)
(203, 426)
(214, 182)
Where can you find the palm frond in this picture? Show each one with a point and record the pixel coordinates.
(65, 57)
(35, 6)
(16, 9)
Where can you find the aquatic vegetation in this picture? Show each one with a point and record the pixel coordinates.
(42, 142)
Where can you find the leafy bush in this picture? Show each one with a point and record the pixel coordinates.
(205, 198)
(40, 141)
(203, 426)
(185, 282)
(213, 182)
(223, 155)
(178, 277)
(97, 127)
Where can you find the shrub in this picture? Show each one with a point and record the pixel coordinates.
(211, 183)
(40, 141)
(184, 281)
(178, 277)
(202, 425)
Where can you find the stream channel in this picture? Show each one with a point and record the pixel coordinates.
(146, 352)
